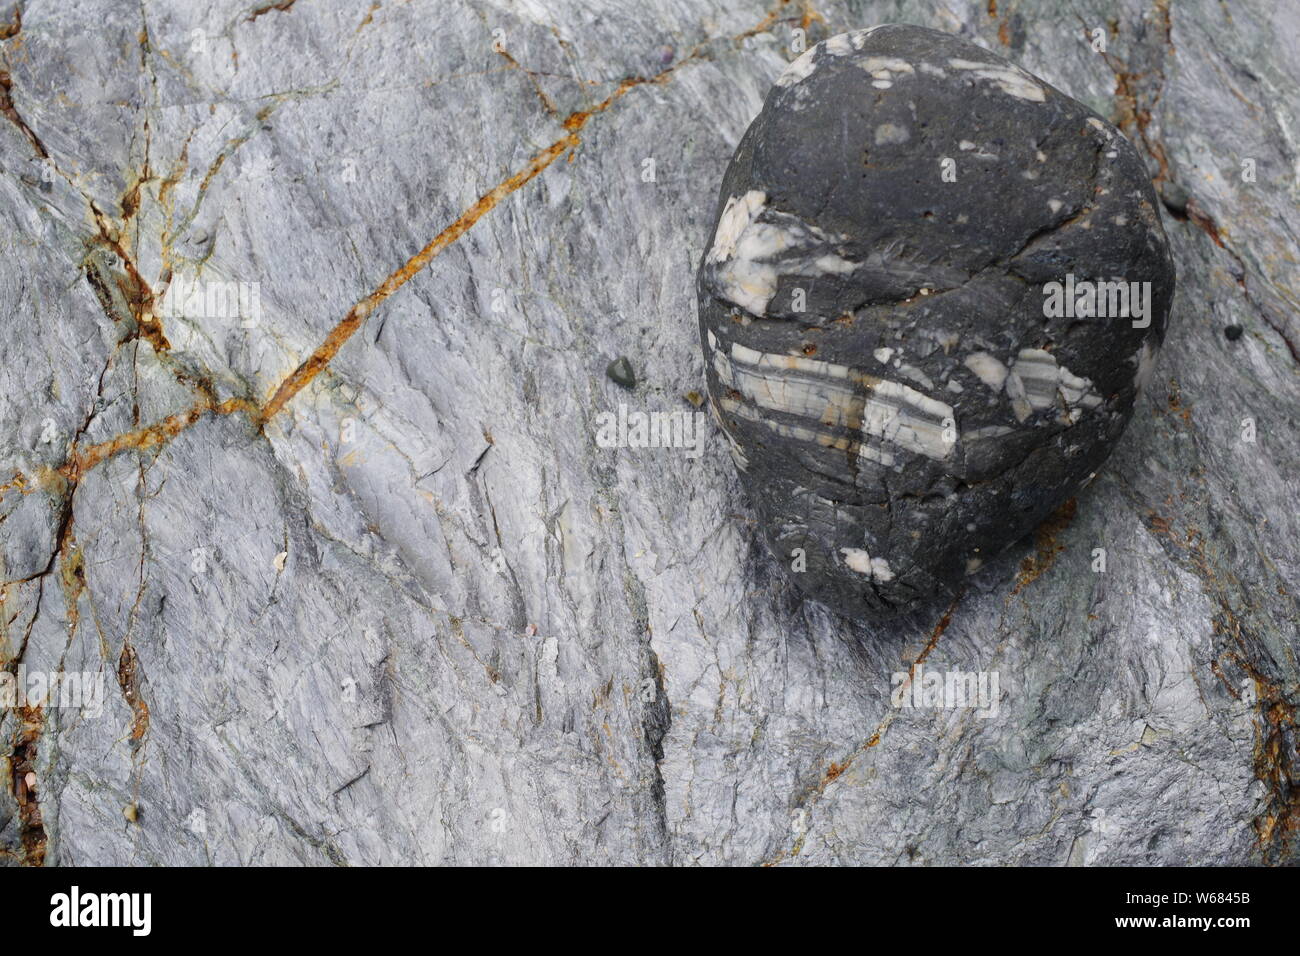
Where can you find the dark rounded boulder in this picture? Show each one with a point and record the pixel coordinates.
(934, 288)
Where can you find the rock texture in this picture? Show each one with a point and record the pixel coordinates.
(899, 310)
(364, 588)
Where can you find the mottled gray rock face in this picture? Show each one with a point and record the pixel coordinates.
(362, 585)
(934, 289)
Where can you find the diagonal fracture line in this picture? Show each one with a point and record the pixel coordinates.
(339, 335)
(837, 768)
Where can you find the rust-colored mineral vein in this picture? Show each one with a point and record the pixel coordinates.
(1276, 758)
(838, 767)
(281, 6)
(1047, 545)
(547, 103)
(347, 327)
(150, 436)
(25, 783)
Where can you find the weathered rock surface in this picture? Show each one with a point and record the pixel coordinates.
(362, 585)
(888, 309)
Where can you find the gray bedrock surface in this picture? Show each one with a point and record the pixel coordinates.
(397, 604)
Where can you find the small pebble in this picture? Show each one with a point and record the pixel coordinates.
(620, 373)
(1174, 197)
(1233, 332)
